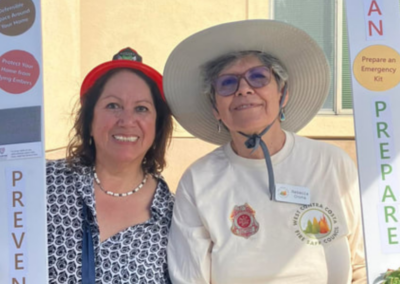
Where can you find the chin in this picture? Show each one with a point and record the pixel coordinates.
(251, 127)
(126, 158)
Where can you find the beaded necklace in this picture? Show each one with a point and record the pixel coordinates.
(136, 189)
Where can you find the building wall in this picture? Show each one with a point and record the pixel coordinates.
(79, 35)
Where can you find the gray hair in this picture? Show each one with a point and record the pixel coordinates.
(211, 69)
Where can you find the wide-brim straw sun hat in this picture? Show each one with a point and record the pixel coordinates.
(308, 69)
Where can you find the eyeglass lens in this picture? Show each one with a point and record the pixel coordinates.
(256, 77)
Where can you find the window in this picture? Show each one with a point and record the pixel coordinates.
(325, 21)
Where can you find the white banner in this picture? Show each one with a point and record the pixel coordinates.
(23, 234)
(374, 44)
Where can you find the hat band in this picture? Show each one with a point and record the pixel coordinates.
(255, 140)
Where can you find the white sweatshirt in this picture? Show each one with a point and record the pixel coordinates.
(226, 230)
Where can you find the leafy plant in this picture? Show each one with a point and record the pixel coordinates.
(392, 277)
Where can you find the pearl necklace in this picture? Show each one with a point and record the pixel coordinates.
(119, 194)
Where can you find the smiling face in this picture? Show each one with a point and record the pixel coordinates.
(124, 120)
(248, 110)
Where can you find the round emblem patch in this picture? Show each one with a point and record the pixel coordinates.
(244, 223)
(315, 224)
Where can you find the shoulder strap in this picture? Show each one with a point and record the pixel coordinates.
(88, 267)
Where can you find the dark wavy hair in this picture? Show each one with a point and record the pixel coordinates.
(81, 147)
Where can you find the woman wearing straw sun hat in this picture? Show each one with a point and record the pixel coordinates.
(267, 206)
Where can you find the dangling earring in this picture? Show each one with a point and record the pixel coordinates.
(90, 140)
(219, 126)
(144, 161)
(282, 116)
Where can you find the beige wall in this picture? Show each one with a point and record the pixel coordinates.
(61, 65)
(78, 35)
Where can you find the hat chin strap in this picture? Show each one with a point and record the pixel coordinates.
(255, 140)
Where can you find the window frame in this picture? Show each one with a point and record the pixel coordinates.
(338, 65)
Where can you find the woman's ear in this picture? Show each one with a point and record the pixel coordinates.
(215, 109)
(216, 113)
(286, 97)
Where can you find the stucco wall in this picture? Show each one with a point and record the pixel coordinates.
(61, 65)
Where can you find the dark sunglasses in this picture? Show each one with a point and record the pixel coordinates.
(227, 84)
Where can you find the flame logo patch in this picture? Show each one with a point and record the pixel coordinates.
(317, 227)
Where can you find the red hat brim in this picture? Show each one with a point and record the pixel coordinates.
(102, 69)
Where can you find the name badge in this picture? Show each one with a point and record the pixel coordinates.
(292, 194)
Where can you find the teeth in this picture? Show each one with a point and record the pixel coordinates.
(243, 106)
(126, 139)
